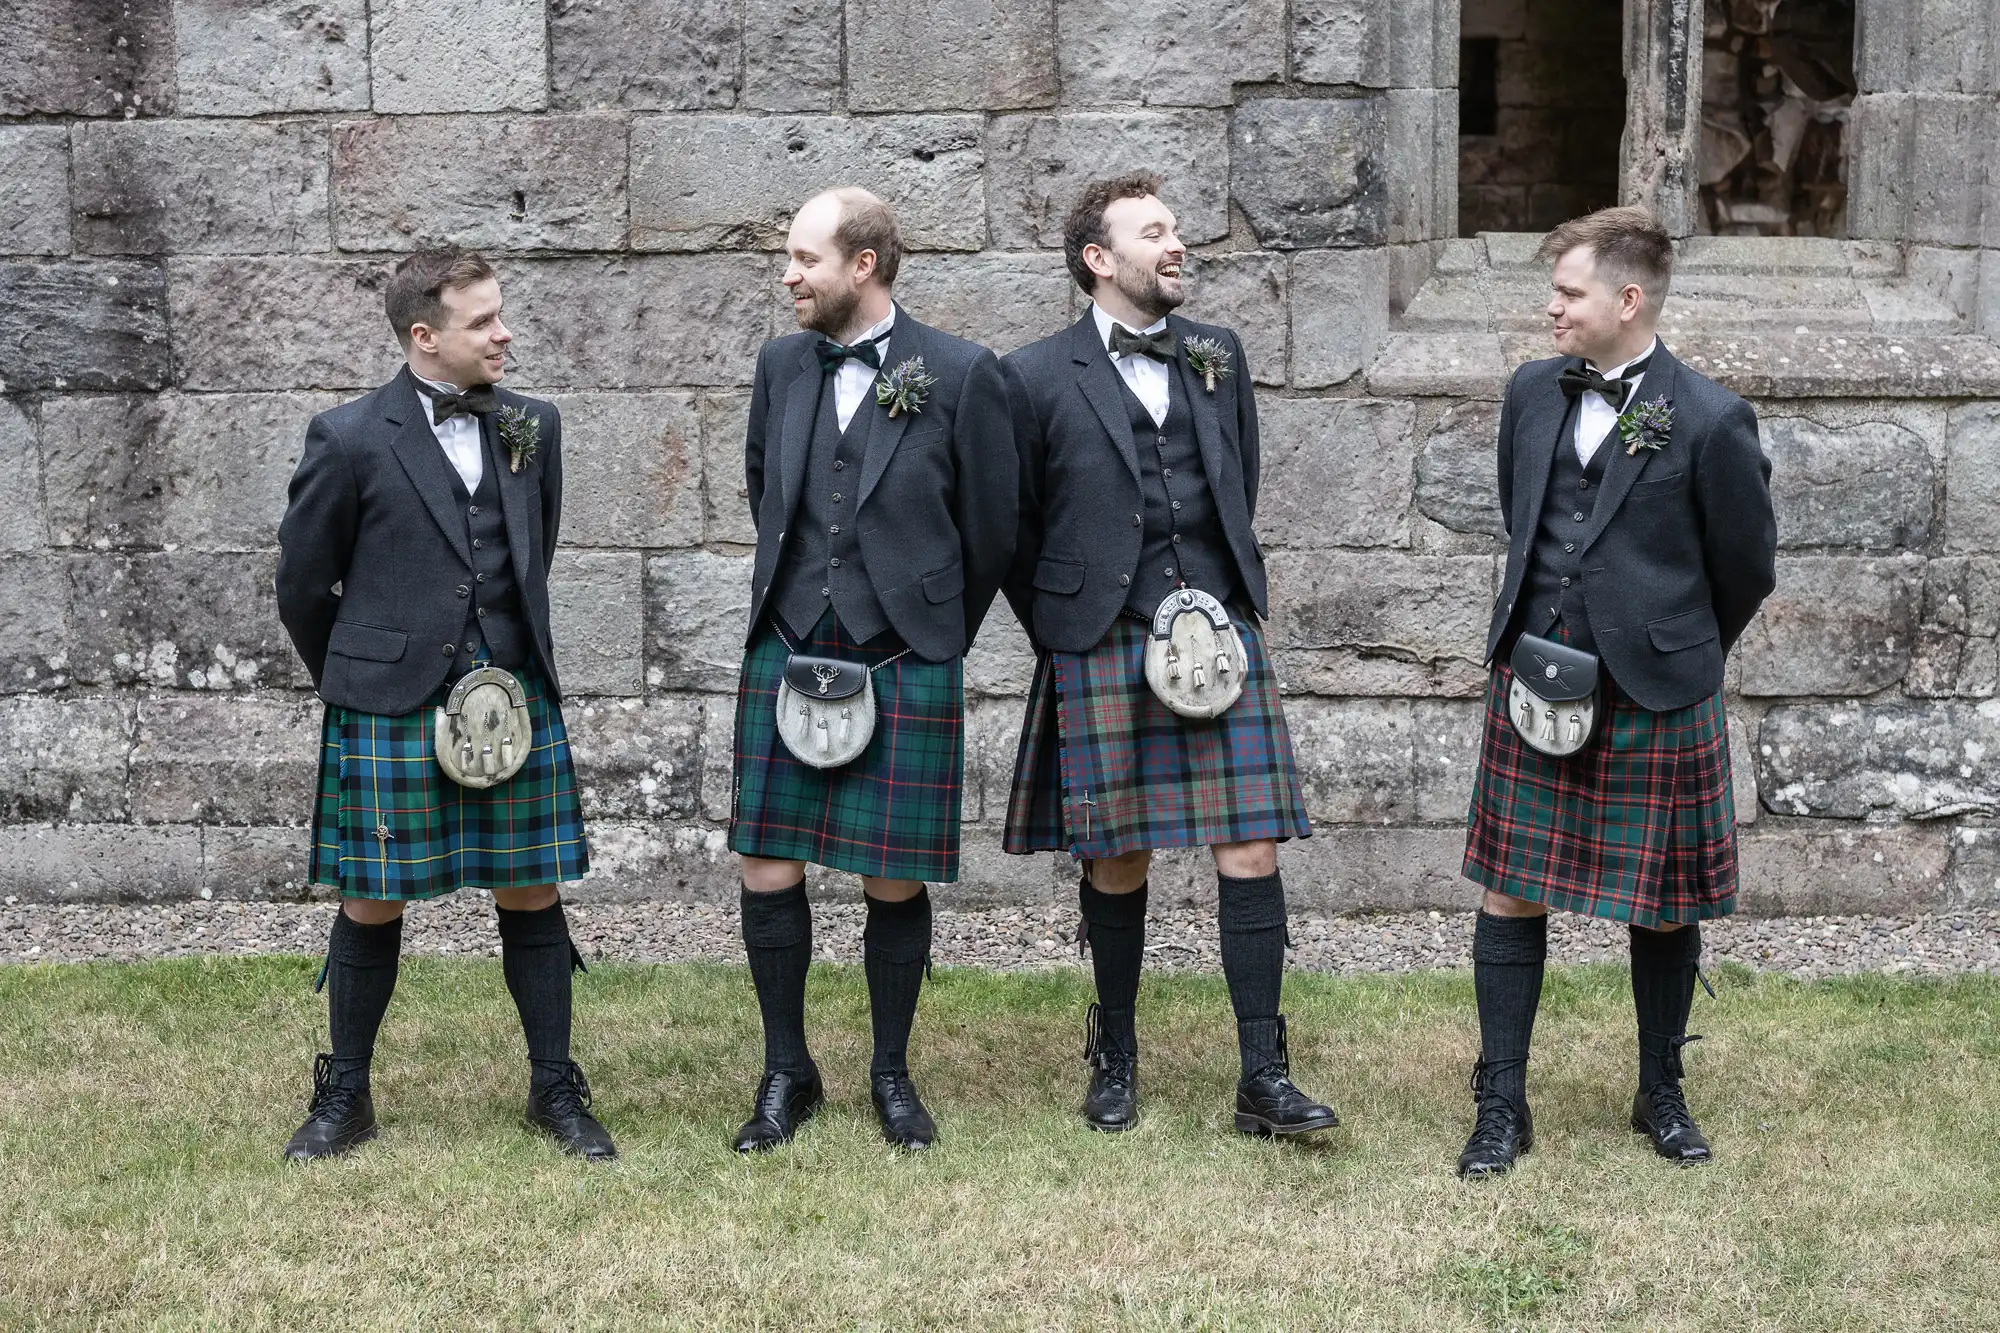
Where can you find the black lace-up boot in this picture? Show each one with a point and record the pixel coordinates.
(1267, 1101)
(1503, 1131)
(559, 1106)
(1112, 1103)
(1661, 1111)
(340, 1117)
(1663, 980)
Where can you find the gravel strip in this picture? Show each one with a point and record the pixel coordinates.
(998, 938)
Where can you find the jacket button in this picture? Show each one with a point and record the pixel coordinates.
(1565, 584)
(449, 649)
(1568, 547)
(1578, 516)
(472, 509)
(478, 543)
(482, 610)
(838, 465)
(835, 562)
(464, 591)
(1177, 539)
(1137, 521)
(1124, 580)
(479, 578)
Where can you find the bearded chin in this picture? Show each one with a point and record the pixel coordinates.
(1142, 288)
(832, 311)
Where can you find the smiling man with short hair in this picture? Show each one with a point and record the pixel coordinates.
(1641, 542)
(1154, 719)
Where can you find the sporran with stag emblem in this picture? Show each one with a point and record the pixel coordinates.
(1195, 661)
(826, 707)
(1555, 697)
(484, 734)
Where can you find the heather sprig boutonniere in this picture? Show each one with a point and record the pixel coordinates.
(1209, 359)
(521, 435)
(905, 388)
(1646, 425)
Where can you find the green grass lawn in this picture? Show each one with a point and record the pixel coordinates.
(142, 1107)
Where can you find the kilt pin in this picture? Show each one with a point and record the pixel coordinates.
(1105, 768)
(894, 811)
(1638, 827)
(388, 824)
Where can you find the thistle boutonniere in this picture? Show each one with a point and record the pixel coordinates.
(520, 433)
(1646, 425)
(1209, 359)
(905, 388)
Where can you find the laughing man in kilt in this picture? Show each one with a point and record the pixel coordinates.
(416, 547)
(1138, 440)
(1638, 508)
(882, 482)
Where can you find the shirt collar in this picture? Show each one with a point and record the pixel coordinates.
(879, 329)
(1104, 323)
(430, 408)
(1617, 372)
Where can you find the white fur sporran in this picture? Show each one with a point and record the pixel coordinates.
(483, 733)
(1195, 659)
(826, 710)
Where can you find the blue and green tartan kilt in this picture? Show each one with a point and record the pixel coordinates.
(1105, 768)
(1639, 826)
(892, 812)
(379, 775)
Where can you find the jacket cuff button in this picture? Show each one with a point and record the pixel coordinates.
(1124, 580)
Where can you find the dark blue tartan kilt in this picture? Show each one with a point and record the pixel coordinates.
(893, 812)
(379, 775)
(1105, 768)
(1638, 827)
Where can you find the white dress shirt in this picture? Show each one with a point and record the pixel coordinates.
(852, 381)
(459, 436)
(1595, 417)
(1146, 377)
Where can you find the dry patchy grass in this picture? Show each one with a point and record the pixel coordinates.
(142, 1107)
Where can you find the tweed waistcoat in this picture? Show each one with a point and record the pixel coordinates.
(493, 598)
(1182, 536)
(826, 566)
(1553, 587)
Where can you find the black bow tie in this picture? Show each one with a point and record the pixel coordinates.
(868, 352)
(1159, 346)
(478, 401)
(1580, 380)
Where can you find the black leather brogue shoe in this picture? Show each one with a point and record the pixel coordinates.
(339, 1118)
(1268, 1102)
(905, 1122)
(560, 1108)
(786, 1099)
(1662, 1116)
(1111, 1105)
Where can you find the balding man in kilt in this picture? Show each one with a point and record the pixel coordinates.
(1641, 542)
(882, 483)
(1138, 438)
(413, 568)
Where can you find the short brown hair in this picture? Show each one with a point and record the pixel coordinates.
(1085, 224)
(866, 223)
(1629, 244)
(416, 291)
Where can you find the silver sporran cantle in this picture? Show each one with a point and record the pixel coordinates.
(1554, 698)
(484, 734)
(1195, 659)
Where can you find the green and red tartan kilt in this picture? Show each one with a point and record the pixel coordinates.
(1639, 827)
(893, 812)
(379, 775)
(1105, 768)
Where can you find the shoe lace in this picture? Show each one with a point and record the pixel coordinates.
(1114, 1066)
(1278, 1067)
(569, 1093)
(899, 1093)
(1497, 1115)
(769, 1102)
(331, 1101)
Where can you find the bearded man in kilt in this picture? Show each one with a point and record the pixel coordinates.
(882, 481)
(1137, 431)
(1638, 509)
(415, 549)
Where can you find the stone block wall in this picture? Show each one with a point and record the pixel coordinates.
(200, 199)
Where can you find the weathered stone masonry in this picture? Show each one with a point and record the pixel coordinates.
(199, 201)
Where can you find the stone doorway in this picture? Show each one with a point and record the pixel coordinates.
(1541, 110)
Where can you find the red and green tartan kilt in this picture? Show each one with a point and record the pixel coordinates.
(379, 774)
(893, 812)
(1105, 768)
(1639, 827)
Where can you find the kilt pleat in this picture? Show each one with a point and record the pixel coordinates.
(893, 812)
(1105, 768)
(1639, 827)
(379, 775)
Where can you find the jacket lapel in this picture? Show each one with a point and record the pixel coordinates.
(795, 431)
(416, 447)
(1622, 469)
(1099, 382)
(1201, 407)
(515, 491)
(906, 340)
